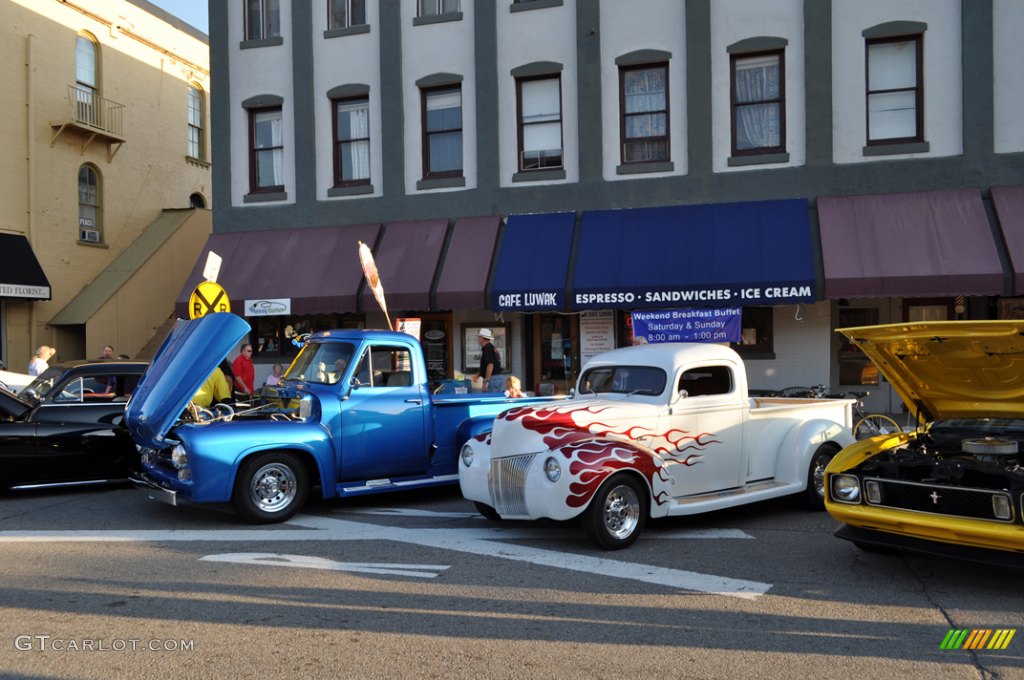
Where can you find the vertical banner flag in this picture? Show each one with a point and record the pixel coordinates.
(688, 325)
(372, 278)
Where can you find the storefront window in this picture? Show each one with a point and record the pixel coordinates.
(757, 336)
(854, 366)
(282, 336)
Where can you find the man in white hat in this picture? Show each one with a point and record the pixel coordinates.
(490, 363)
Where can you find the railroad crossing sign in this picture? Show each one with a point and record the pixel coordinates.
(208, 297)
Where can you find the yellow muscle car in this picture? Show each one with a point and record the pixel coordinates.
(955, 486)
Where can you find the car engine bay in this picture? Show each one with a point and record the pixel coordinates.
(958, 456)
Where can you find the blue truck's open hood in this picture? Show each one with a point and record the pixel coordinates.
(182, 364)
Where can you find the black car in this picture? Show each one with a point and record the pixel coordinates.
(65, 428)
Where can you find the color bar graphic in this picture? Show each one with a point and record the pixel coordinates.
(978, 638)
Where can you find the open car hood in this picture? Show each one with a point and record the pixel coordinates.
(182, 364)
(950, 369)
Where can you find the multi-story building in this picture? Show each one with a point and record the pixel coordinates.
(105, 162)
(544, 168)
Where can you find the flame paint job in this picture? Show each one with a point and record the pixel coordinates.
(599, 440)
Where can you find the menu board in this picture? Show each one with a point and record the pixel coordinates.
(597, 334)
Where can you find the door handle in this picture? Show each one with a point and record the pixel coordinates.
(414, 401)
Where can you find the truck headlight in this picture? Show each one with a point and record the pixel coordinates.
(306, 407)
(846, 488)
(552, 469)
(466, 454)
(178, 457)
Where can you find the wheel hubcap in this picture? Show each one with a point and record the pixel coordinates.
(621, 511)
(819, 476)
(273, 487)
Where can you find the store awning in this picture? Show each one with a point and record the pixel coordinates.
(316, 269)
(533, 263)
(920, 244)
(22, 276)
(719, 255)
(467, 264)
(1009, 205)
(407, 258)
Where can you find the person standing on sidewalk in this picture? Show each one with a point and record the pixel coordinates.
(245, 373)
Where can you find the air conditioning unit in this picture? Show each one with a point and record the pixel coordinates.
(90, 235)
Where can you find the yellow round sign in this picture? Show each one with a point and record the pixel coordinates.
(208, 297)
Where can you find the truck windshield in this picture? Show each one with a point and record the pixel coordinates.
(321, 362)
(624, 379)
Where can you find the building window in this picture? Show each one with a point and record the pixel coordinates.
(195, 122)
(351, 141)
(758, 103)
(442, 132)
(266, 150)
(644, 118)
(895, 97)
(89, 215)
(756, 339)
(87, 82)
(430, 8)
(540, 123)
(262, 19)
(345, 13)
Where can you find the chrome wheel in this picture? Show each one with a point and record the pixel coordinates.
(813, 497)
(621, 511)
(273, 487)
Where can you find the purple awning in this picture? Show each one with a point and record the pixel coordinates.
(467, 264)
(316, 268)
(1009, 204)
(406, 261)
(920, 244)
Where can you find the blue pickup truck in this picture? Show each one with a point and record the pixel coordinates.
(353, 415)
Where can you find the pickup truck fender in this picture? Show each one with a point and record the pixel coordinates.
(800, 444)
(216, 458)
(588, 463)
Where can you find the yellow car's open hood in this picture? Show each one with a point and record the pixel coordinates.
(950, 369)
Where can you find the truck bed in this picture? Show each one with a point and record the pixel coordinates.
(839, 410)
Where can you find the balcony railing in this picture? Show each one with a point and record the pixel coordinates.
(88, 108)
(93, 116)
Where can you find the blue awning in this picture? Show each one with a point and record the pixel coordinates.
(533, 263)
(720, 255)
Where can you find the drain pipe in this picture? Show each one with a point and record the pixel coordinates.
(31, 170)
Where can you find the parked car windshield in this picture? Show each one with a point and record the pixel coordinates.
(645, 380)
(321, 362)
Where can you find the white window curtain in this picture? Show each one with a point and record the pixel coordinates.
(270, 155)
(758, 125)
(892, 66)
(354, 133)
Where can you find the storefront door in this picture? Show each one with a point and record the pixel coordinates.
(556, 353)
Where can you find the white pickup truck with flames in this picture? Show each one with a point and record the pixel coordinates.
(653, 431)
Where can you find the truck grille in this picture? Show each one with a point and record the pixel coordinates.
(507, 484)
(939, 500)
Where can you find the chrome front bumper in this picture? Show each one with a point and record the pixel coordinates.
(153, 490)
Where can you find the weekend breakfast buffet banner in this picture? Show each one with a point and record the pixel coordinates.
(721, 324)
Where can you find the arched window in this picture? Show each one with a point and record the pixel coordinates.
(90, 216)
(87, 79)
(196, 200)
(196, 143)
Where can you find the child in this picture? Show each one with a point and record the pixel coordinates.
(513, 389)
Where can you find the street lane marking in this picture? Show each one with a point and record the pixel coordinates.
(475, 541)
(308, 562)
